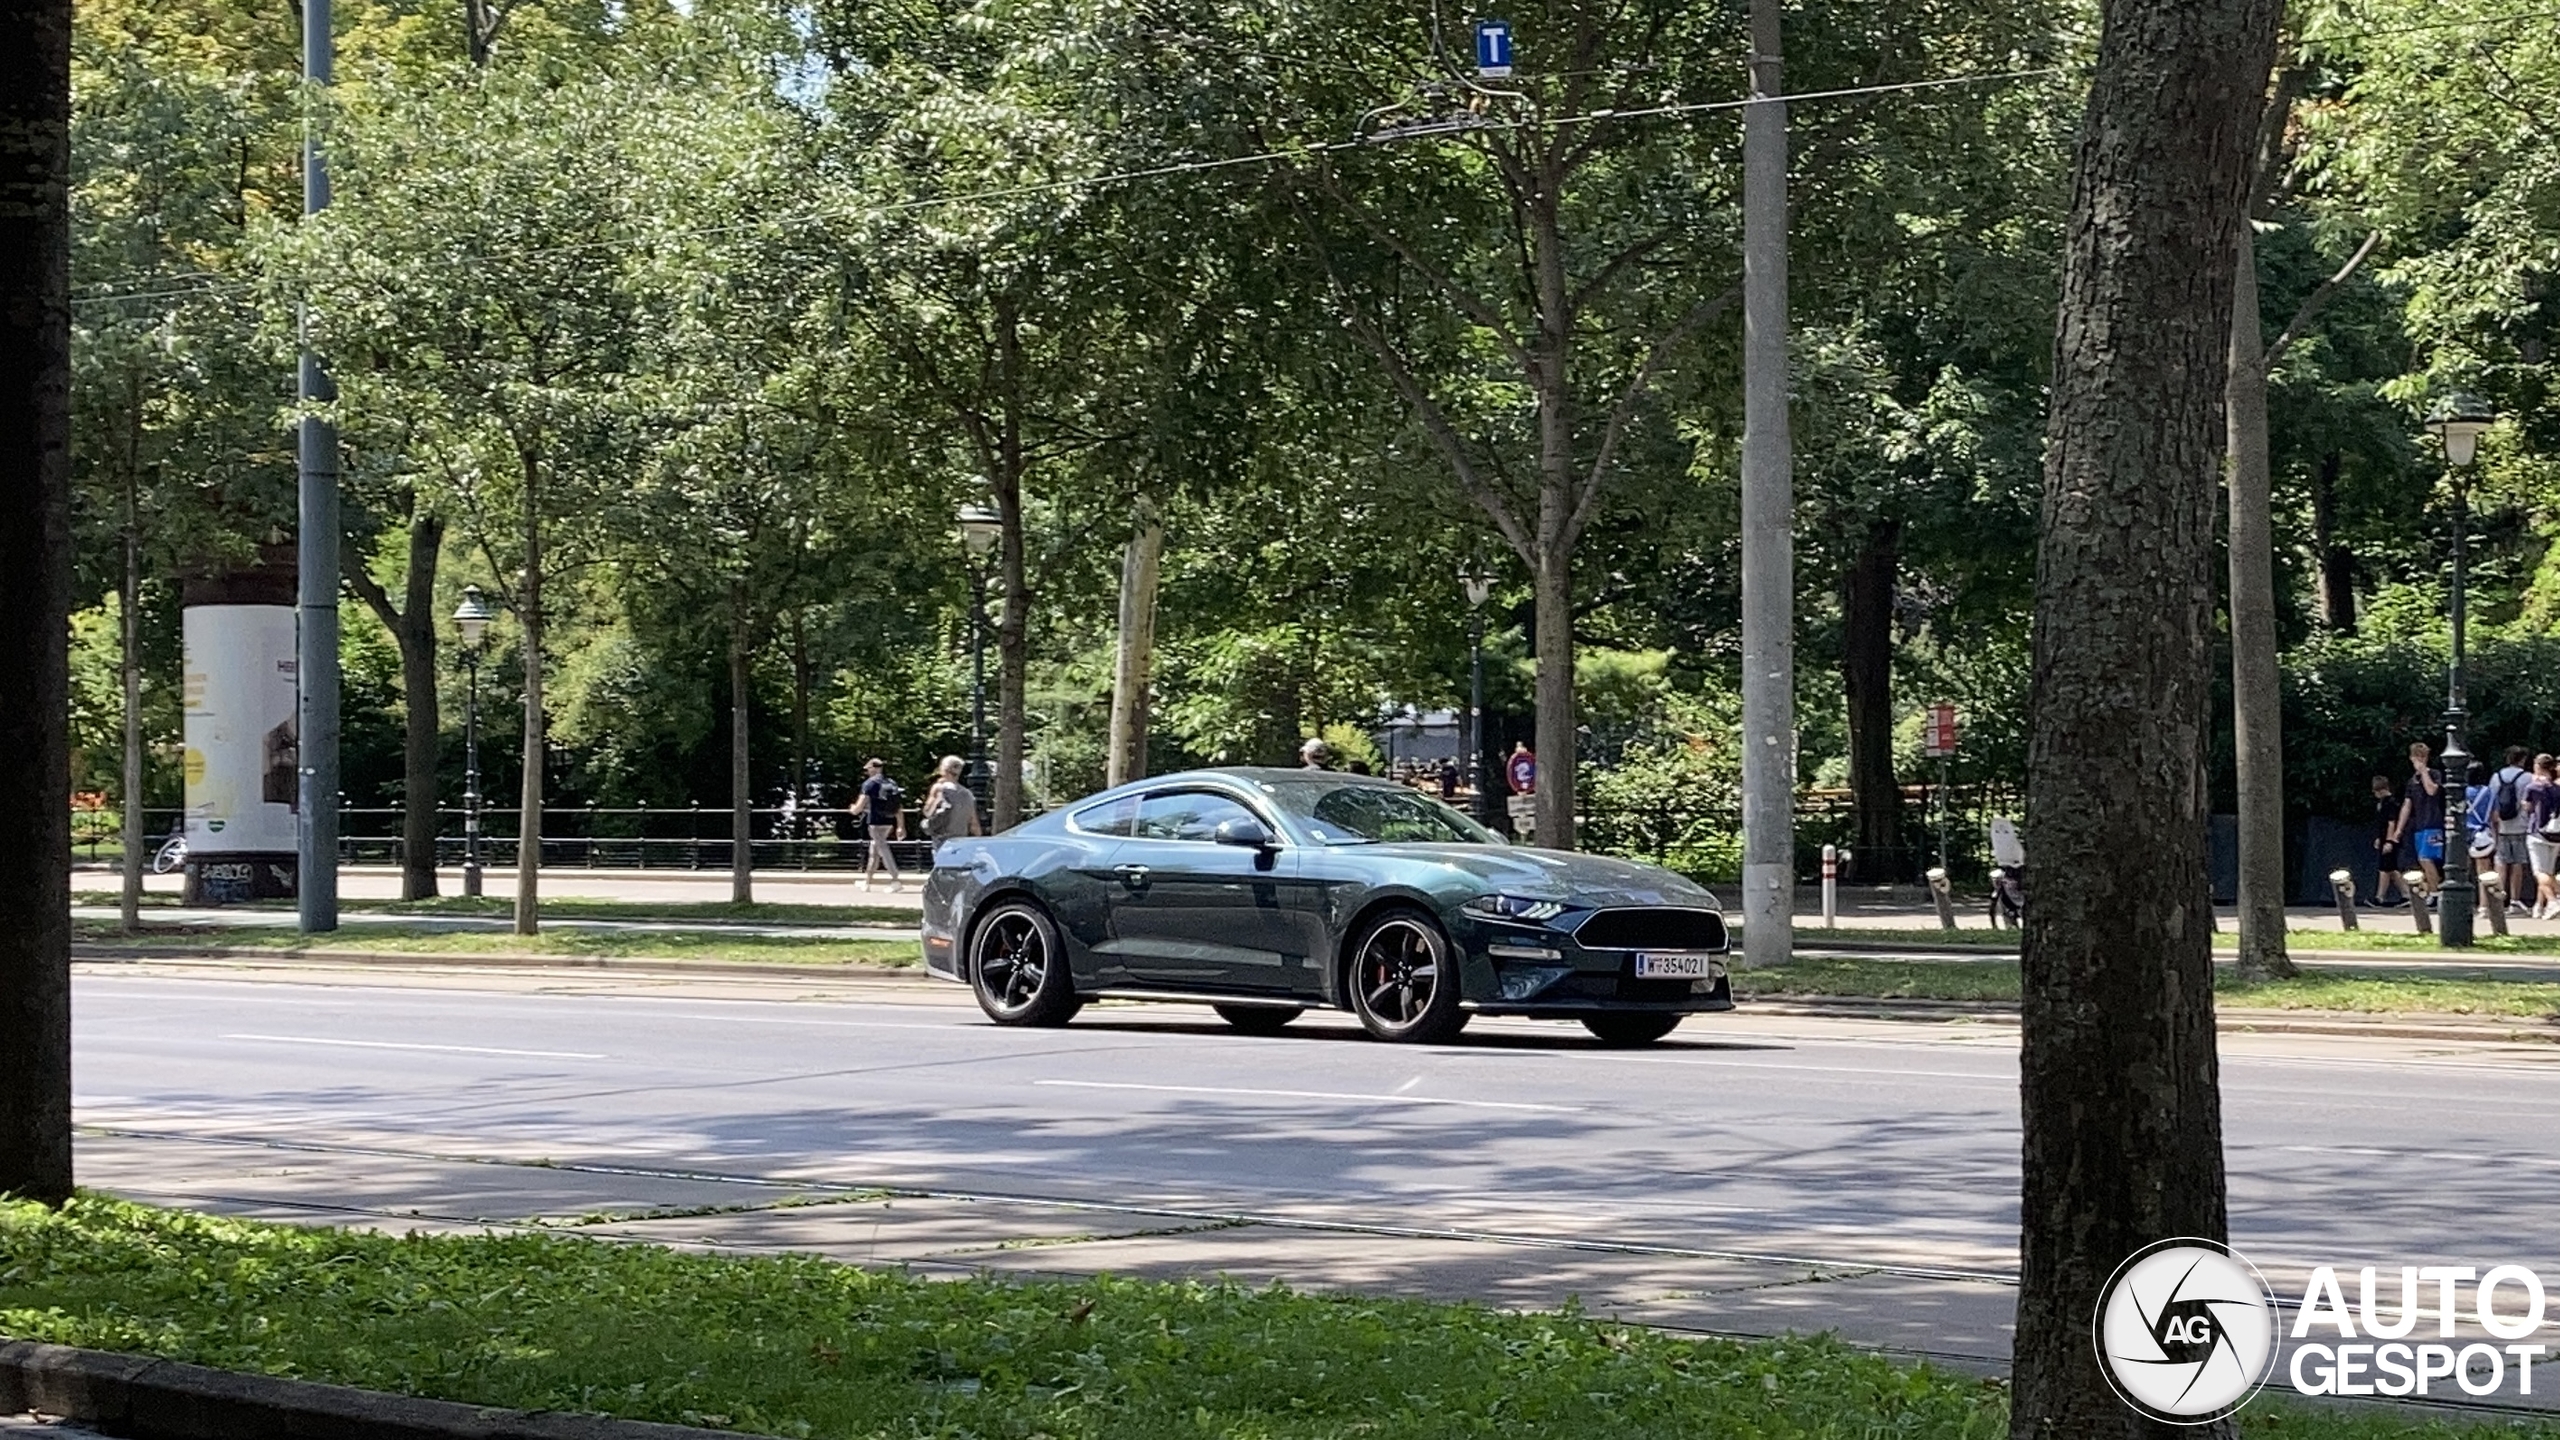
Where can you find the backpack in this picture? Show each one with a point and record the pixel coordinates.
(891, 796)
(2510, 803)
(942, 816)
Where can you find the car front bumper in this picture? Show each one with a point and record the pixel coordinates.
(1522, 970)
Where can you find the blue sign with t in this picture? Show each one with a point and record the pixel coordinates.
(1493, 49)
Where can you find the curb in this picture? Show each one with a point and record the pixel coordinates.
(2234, 1020)
(499, 960)
(148, 1399)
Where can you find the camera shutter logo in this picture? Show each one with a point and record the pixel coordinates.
(2185, 1331)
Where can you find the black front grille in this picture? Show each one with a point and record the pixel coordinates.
(1652, 929)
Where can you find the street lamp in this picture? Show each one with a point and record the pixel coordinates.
(980, 528)
(471, 618)
(1479, 588)
(2458, 421)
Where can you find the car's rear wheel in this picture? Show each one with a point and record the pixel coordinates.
(1258, 1019)
(1404, 979)
(1633, 1028)
(1018, 968)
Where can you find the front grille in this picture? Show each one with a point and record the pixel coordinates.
(1652, 929)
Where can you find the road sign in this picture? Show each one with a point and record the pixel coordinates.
(1938, 741)
(1493, 49)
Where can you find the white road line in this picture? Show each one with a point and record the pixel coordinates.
(447, 1049)
(1309, 1095)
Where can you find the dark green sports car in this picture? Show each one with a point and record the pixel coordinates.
(1265, 892)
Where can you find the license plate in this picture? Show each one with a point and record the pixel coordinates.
(1676, 967)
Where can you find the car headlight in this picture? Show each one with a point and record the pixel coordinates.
(1513, 907)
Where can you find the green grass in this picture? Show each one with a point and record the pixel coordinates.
(814, 950)
(2369, 992)
(805, 1348)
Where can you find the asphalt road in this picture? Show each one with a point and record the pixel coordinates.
(1812, 1150)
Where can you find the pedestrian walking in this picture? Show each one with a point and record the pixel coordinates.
(2388, 892)
(950, 807)
(2513, 825)
(882, 819)
(1448, 779)
(2542, 840)
(2422, 819)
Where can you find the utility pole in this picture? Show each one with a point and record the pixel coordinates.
(1768, 518)
(316, 581)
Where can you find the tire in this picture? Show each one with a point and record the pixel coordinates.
(1258, 1019)
(1637, 1027)
(1017, 968)
(1402, 979)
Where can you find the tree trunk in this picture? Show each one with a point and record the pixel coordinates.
(1866, 680)
(1552, 586)
(422, 739)
(1128, 756)
(529, 797)
(799, 705)
(136, 829)
(2337, 562)
(35, 553)
(1559, 741)
(742, 864)
(2257, 706)
(1013, 626)
(2119, 1094)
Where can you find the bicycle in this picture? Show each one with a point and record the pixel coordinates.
(172, 855)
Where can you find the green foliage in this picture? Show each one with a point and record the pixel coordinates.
(1673, 796)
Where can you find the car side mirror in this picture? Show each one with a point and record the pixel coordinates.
(1248, 833)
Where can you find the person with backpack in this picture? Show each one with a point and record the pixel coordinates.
(2512, 825)
(950, 807)
(882, 819)
(2542, 835)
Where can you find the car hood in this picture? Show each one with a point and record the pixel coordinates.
(1562, 875)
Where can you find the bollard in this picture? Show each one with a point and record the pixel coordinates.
(2493, 897)
(1946, 899)
(1830, 887)
(2343, 885)
(2412, 881)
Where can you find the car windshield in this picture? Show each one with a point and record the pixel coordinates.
(1340, 814)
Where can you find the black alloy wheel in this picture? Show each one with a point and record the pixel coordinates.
(1403, 979)
(1631, 1027)
(1018, 969)
(1258, 1019)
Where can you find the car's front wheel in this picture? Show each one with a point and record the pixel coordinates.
(1632, 1028)
(1258, 1019)
(1018, 968)
(1404, 979)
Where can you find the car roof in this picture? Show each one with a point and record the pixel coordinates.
(1250, 776)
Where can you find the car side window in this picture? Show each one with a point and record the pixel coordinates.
(1188, 815)
(1111, 817)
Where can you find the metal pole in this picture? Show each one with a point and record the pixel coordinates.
(471, 777)
(1475, 714)
(2459, 894)
(1768, 518)
(316, 649)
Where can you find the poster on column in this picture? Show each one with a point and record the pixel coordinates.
(242, 759)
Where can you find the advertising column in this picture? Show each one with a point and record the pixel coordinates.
(242, 759)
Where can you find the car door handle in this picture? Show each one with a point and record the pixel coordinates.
(1133, 876)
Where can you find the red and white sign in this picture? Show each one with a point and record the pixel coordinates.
(1938, 741)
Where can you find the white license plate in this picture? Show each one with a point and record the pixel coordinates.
(1676, 967)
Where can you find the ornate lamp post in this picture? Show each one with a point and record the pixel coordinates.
(471, 618)
(1479, 588)
(2458, 421)
(980, 528)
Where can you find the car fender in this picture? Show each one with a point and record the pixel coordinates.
(1390, 896)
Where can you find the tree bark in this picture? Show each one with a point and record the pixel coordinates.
(529, 795)
(1866, 681)
(742, 864)
(1013, 626)
(1551, 588)
(1138, 564)
(35, 553)
(422, 738)
(129, 634)
(2337, 562)
(2257, 706)
(1559, 738)
(2119, 1096)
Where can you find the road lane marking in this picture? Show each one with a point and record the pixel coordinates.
(445, 1049)
(1309, 1095)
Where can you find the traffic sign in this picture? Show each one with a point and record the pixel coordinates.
(1938, 741)
(1493, 49)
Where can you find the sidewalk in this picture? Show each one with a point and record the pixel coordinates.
(687, 887)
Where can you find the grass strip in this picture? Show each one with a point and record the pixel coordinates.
(812, 950)
(805, 1348)
(2378, 992)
